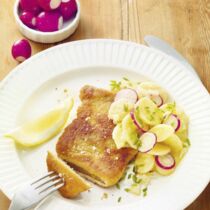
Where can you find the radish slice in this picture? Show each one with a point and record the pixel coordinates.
(49, 21)
(28, 19)
(174, 121)
(30, 6)
(138, 123)
(157, 99)
(68, 9)
(166, 162)
(49, 5)
(129, 94)
(148, 141)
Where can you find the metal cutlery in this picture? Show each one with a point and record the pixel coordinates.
(31, 193)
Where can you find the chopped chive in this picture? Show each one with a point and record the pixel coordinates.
(144, 191)
(134, 169)
(124, 175)
(126, 108)
(126, 79)
(104, 196)
(136, 180)
(118, 186)
(119, 199)
(188, 142)
(129, 176)
(127, 190)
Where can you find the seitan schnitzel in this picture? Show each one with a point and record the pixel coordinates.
(87, 144)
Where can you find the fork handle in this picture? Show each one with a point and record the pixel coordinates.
(15, 206)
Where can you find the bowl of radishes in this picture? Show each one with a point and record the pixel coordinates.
(47, 21)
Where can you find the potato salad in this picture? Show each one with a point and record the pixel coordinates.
(149, 121)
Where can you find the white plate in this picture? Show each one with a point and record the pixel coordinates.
(30, 90)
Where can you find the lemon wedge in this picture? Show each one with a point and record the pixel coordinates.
(44, 128)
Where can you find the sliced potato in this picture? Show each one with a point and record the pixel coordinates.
(150, 87)
(172, 108)
(162, 131)
(159, 149)
(149, 112)
(116, 135)
(183, 134)
(178, 157)
(162, 171)
(168, 108)
(144, 163)
(119, 109)
(174, 143)
(129, 132)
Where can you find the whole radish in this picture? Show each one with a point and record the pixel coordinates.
(21, 50)
(28, 19)
(49, 21)
(49, 5)
(30, 6)
(68, 9)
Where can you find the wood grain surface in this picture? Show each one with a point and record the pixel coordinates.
(185, 24)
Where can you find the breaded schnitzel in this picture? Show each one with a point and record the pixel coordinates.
(87, 144)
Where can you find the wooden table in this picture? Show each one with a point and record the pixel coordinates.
(183, 23)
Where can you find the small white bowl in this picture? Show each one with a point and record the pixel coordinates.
(68, 28)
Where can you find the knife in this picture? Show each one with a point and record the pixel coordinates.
(159, 44)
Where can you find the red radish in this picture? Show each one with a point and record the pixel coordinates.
(166, 162)
(68, 9)
(148, 141)
(174, 121)
(28, 19)
(30, 6)
(129, 94)
(49, 5)
(21, 50)
(49, 21)
(157, 99)
(138, 123)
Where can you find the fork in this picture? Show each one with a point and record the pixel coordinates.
(31, 193)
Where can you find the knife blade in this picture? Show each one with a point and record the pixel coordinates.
(159, 44)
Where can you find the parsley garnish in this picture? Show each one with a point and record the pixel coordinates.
(115, 86)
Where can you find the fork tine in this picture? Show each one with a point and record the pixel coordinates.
(51, 190)
(45, 181)
(42, 177)
(50, 185)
